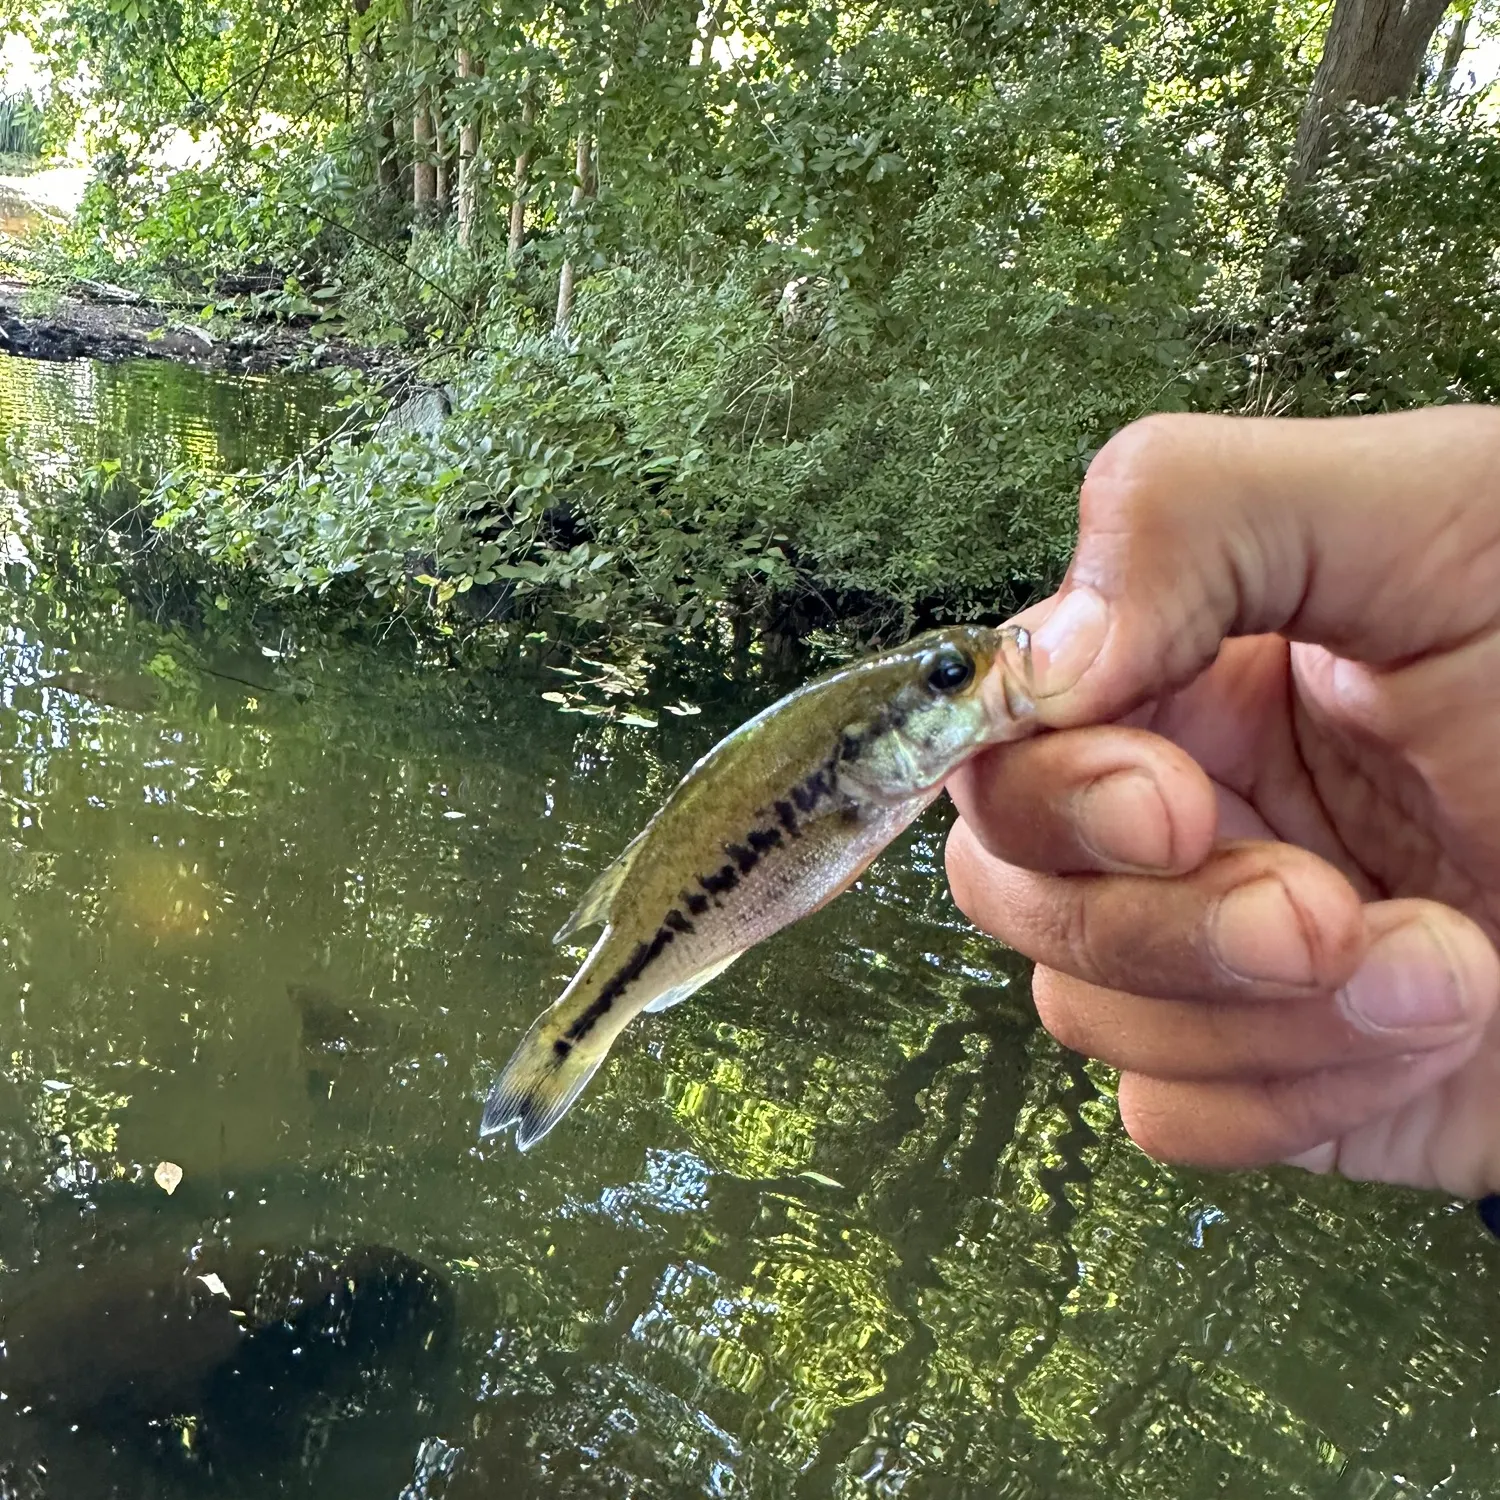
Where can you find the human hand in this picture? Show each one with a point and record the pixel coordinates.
(1259, 868)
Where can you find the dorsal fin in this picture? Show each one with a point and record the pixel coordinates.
(600, 896)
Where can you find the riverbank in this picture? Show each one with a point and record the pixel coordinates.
(106, 322)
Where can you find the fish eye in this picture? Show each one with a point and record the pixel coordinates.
(948, 669)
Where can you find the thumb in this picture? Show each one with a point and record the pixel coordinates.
(1377, 537)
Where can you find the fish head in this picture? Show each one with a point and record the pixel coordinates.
(941, 697)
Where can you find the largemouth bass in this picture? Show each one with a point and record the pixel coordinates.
(774, 822)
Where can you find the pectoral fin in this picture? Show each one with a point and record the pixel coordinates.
(600, 897)
(679, 992)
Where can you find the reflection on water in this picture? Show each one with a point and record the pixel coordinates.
(150, 416)
(847, 1224)
(18, 217)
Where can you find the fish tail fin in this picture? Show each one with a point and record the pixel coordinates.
(537, 1087)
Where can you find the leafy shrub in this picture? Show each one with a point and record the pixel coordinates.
(1391, 291)
(691, 448)
(20, 126)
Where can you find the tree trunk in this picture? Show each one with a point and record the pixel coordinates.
(583, 190)
(565, 297)
(423, 173)
(1453, 54)
(387, 160)
(402, 158)
(1373, 52)
(518, 186)
(468, 156)
(440, 161)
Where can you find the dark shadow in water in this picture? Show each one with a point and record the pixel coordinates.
(135, 1367)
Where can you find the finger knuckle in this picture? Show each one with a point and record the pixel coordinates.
(1074, 932)
(1293, 1115)
(1127, 464)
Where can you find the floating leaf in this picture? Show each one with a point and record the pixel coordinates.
(211, 1281)
(820, 1179)
(167, 1175)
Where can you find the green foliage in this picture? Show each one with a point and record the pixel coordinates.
(1398, 304)
(705, 449)
(558, 475)
(860, 290)
(20, 126)
(191, 227)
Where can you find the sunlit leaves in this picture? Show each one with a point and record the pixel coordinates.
(862, 287)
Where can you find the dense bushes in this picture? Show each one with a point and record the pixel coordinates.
(856, 302)
(890, 426)
(1390, 290)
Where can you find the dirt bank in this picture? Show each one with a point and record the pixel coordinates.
(103, 325)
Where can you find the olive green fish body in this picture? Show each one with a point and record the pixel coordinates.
(776, 820)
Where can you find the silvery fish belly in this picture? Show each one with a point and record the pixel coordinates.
(775, 821)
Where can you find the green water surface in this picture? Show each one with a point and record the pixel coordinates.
(847, 1224)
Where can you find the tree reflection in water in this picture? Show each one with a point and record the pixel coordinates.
(847, 1224)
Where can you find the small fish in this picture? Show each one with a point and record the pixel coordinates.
(774, 822)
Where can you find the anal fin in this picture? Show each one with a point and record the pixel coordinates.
(680, 992)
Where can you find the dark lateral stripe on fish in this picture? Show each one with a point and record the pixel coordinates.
(721, 881)
(646, 953)
(806, 794)
(745, 857)
(761, 839)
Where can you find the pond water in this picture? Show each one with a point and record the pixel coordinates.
(272, 909)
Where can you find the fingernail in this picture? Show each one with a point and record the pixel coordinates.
(1122, 819)
(1256, 934)
(1408, 980)
(1065, 645)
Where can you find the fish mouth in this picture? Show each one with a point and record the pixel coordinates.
(1009, 688)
